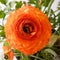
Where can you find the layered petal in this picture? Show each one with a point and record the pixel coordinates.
(28, 30)
(8, 53)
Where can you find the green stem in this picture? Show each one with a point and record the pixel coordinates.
(49, 6)
(22, 55)
(37, 57)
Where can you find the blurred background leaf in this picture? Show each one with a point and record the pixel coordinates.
(1, 27)
(18, 4)
(3, 1)
(46, 2)
(2, 33)
(2, 14)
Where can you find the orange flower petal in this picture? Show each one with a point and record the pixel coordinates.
(8, 52)
(28, 30)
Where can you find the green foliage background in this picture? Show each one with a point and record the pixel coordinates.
(50, 52)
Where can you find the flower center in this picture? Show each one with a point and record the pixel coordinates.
(28, 28)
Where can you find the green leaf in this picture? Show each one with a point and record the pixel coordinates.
(31, 2)
(18, 4)
(3, 1)
(2, 14)
(2, 33)
(58, 8)
(1, 27)
(46, 2)
(36, 57)
(46, 55)
(54, 25)
(49, 6)
(58, 17)
(52, 12)
(58, 3)
(16, 51)
(36, 3)
(52, 41)
(25, 58)
(53, 20)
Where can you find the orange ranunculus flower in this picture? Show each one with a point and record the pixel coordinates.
(8, 53)
(28, 29)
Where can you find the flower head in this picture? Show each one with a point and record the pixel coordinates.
(28, 30)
